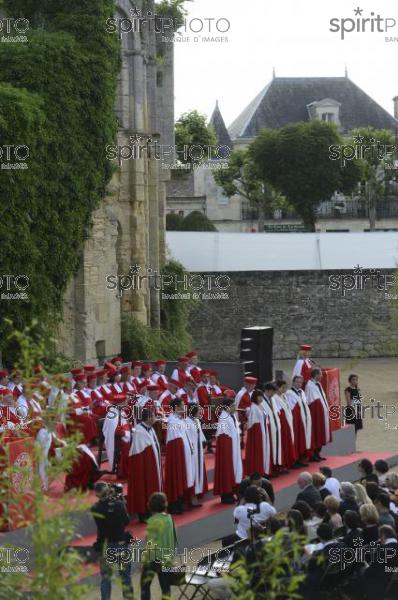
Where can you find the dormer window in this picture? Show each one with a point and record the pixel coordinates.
(327, 110)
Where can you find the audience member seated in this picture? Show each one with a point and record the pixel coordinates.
(295, 522)
(365, 468)
(369, 519)
(373, 490)
(324, 571)
(348, 496)
(332, 484)
(319, 482)
(382, 568)
(332, 506)
(361, 495)
(353, 532)
(308, 492)
(310, 522)
(381, 469)
(382, 503)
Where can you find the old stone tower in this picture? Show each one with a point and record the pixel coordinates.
(129, 226)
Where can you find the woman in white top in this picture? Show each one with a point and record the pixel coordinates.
(254, 508)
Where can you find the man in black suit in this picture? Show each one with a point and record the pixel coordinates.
(325, 567)
(383, 564)
(308, 492)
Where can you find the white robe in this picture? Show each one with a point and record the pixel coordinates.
(196, 437)
(229, 425)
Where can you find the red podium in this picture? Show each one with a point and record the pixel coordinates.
(19, 485)
(331, 385)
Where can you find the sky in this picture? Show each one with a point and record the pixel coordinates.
(292, 36)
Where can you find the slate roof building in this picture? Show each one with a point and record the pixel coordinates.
(294, 99)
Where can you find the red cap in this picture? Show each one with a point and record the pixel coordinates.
(110, 367)
(192, 354)
(89, 368)
(76, 371)
(116, 359)
(81, 377)
(205, 372)
(92, 377)
(146, 367)
(183, 360)
(3, 373)
(251, 379)
(213, 373)
(137, 363)
(229, 394)
(101, 372)
(125, 369)
(306, 347)
(118, 398)
(160, 362)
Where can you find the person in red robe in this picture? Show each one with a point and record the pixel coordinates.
(158, 376)
(228, 469)
(243, 403)
(302, 422)
(202, 395)
(287, 431)
(258, 442)
(304, 363)
(180, 372)
(319, 409)
(192, 368)
(179, 472)
(84, 471)
(145, 467)
(81, 415)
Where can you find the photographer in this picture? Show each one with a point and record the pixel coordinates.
(111, 519)
(253, 508)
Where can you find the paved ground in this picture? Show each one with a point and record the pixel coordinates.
(378, 381)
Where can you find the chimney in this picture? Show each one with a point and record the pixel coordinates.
(395, 100)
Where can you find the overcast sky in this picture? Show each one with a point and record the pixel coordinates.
(291, 35)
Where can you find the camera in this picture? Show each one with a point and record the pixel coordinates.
(252, 511)
(116, 491)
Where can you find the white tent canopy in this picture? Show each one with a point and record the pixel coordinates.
(223, 252)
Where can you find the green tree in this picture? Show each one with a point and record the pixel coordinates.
(242, 177)
(174, 222)
(296, 160)
(377, 151)
(194, 138)
(197, 221)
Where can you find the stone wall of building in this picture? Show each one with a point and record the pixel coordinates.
(302, 308)
(129, 226)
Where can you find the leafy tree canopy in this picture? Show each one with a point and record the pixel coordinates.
(194, 138)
